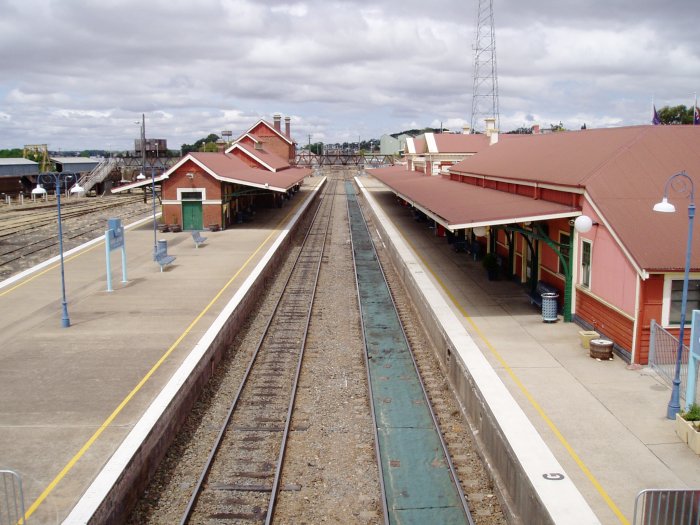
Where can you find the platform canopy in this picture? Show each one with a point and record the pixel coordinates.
(228, 168)
(457, 205)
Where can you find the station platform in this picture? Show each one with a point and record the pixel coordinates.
(69, 396)
(604, 421)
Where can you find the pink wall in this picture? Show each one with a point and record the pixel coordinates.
(613, 278)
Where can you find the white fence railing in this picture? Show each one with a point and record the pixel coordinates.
(667, 507)
(11, 499)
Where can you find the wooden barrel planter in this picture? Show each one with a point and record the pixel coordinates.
(601, 349)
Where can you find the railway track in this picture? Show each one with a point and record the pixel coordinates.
(331, 471)
(419, 481)
(241, 478)
(23, 220)
(30, 235)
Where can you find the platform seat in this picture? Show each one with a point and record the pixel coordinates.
(198, 239)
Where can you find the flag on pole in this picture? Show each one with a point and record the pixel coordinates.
(655, 119)
(696, 116)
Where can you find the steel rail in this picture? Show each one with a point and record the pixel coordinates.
(198, 489)
(285, 435)
(34, 218)
(51, 240)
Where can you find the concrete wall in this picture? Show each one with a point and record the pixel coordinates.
(133, 480)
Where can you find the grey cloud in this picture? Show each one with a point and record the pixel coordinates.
(79, 73)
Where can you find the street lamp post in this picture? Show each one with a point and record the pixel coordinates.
(39, 190)
(684, 184)
(153, 198)
(141, 176)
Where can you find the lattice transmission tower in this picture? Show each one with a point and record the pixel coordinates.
(485, 91)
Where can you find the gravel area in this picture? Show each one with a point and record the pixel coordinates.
(39, 243)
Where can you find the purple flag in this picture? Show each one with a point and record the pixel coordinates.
(655, 119)
(696, 116)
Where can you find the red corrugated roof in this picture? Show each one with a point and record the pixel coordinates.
(232, 169)
(623, 171)
(270, 159)
(458, 205)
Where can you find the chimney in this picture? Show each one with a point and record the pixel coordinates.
(491, 130)
(466, 130)
(287, 126)
(278, 122)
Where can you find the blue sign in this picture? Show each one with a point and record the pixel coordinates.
(693, 360)
(115, 234)
(114, 239)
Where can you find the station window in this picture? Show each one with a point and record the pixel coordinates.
(191, 196)
(586, 264)
(693, 302)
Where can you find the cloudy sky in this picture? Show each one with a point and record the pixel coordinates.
(78, 74)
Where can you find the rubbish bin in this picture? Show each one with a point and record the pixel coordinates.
(161, 249)
(601, 349)
(549, 307)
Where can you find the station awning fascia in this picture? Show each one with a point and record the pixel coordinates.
(457, 205)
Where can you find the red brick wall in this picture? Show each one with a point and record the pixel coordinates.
(172, 213)
(273, 142)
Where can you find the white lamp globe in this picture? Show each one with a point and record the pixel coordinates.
(479, 231)
(583, 224)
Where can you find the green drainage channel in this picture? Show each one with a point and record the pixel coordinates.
(418, 482)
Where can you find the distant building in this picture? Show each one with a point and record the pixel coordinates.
(221, 189)
(75, 164)
(389, 145)
(11, 172)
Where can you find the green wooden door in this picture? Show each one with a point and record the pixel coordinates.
(191, 215)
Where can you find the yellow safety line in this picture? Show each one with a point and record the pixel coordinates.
(135, 390)
(524, 390)
(49, 268)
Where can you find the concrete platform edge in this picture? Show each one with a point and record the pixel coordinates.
(116, 488)
(535, 484)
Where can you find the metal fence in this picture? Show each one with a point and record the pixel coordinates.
(663, 349)
(667, 507)
(11, 499)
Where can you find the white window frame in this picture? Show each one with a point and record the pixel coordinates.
(180, 191)
(666, 303)
(587, 286)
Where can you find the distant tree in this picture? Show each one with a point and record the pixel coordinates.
(316, 148)
(14, 153)
(676, 114)
(415, 132)
(200, 144)
(522, 130)
(557, 127)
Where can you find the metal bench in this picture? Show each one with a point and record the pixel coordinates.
(542, 287)
(198, 239)
(161, 256)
